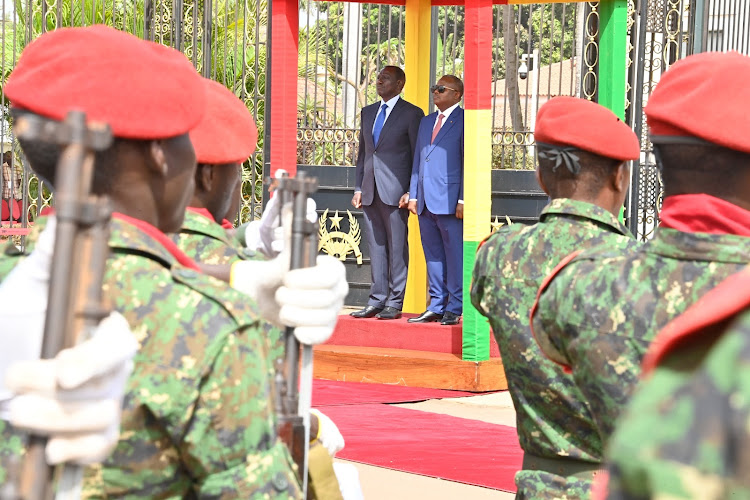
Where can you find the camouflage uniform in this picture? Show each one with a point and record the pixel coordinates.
(552, 417)
(207, 242)
(685, 432)
(601, 312)
(198, 417)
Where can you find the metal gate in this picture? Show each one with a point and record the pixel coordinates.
(665, 31)
(226, 41)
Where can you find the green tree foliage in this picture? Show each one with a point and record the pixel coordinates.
(233, 52)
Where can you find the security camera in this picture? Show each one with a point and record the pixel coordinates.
(523, 71)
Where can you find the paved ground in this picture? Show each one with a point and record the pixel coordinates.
(384, 484)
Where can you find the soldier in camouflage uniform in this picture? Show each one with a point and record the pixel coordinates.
(225, 138)
(561, 447)
(600, 312)
(198, 417)
(684, 434)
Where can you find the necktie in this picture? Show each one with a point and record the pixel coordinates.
(379, 121)
(437, 128)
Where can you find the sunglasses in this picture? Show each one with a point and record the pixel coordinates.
(441, 88)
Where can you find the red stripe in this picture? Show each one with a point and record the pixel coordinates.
(539, 293)
(284, 60)
(478, 53)
(202, 211)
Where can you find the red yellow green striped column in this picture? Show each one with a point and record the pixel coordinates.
(477, 163)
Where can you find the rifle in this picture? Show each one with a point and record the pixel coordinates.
(293, 404)
(75, 303)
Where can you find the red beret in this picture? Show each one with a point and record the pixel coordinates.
(227, 133)
(705, 96)
(143, 90)
(570, 121)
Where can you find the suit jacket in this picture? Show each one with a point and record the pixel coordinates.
(437, 178)
(389, 163)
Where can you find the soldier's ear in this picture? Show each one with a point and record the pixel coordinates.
(204, 177)
(621, 177)
(158, 158)
(539, 181)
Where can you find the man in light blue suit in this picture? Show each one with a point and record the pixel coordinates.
(436, 195)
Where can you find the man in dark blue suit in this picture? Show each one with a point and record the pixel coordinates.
(437, 192)
(386, 152)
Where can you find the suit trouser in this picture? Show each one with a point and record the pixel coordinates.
(443, 244)
(387, 236)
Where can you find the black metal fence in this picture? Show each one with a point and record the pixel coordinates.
(552, 49)
(225, 40)
(662, 32)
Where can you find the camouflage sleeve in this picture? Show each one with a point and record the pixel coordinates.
(548, 320)
(12, 448)
(685, 433)
(231, 444)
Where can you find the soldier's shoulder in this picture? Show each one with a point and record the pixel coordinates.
(726, 307)
(154, 292)
(611, 250)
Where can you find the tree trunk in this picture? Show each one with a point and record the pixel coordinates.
(511, 68)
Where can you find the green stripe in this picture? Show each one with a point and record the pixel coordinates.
(476, 328)
(613, 49)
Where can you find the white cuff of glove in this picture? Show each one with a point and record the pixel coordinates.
(328, 434)
(348, 477)
(266, 234)
(76, 397)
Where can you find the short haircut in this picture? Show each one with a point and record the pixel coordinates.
(595, 170)
(456, 82)
(701, 168)
(44, 156)
(400, 75)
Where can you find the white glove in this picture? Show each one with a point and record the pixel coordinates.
(23, 305)
(76, 398)
(348, 477)
(311, 299)
(328, 434)
(266, 234)
(308, 299)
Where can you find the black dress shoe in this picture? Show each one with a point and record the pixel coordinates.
(425, 317)
(367, 312)
(450, 318)
(389, 313)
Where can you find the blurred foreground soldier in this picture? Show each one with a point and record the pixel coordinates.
(583, 150)
(75, 398)
(224, 139)
(198, 416)
(685, 433)
(601, 311)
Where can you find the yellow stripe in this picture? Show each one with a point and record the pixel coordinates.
(477, 173)
(417, 68)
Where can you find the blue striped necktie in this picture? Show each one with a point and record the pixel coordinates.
(379, 121)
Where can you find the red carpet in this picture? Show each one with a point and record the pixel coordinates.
(398, 334)
(333, 393)
(452, 448)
